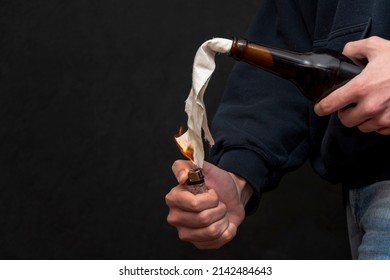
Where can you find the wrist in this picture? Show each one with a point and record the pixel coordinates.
(244, 190)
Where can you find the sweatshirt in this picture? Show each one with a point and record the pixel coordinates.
(264, 127)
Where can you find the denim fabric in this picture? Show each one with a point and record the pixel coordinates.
(368, 215)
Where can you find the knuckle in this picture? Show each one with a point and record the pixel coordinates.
(370, 109)
(348, 46)
(213, 231)
(361, 87)
(171, 219)
(204, 218)
(194, 204)
(168, 199)
(182, 236)
(174, 218)
(226, 238)
(207, 217)
(374, 40)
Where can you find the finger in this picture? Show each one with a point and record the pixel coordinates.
(368, 126)
(226, 237)
(356, 50)
(179, 218)
(180, 197)
(180, 169)
(352, 116)
(384, 131)
(209, 233)
(362, 49)
(377, 124)
(338, 99)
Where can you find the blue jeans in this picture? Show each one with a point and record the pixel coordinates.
(368, 216)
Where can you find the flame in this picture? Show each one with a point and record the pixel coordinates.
(185, 148)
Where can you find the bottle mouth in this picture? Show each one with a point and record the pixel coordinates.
(238, 46)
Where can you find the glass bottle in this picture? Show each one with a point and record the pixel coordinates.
(316, 73)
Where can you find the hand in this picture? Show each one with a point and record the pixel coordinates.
(208, 220)
(369, 91)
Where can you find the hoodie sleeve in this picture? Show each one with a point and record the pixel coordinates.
(261, 126)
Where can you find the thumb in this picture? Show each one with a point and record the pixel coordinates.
(180, 169)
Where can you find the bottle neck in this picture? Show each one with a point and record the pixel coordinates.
(278, 61)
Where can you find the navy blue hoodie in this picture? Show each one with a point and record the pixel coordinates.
(264, 127)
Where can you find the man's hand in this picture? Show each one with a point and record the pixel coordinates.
(208, 220)
(369, 91)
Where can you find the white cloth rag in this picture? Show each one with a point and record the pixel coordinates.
(203, 68)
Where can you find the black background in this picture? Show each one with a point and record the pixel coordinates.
(91, 94)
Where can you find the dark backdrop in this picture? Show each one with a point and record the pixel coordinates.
(91, 94)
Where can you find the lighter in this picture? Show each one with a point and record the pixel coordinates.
(195, 181)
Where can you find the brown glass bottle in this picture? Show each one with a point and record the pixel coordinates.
(316, 73)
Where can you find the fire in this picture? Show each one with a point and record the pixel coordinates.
(184, 146)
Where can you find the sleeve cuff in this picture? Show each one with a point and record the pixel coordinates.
(252, 168)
